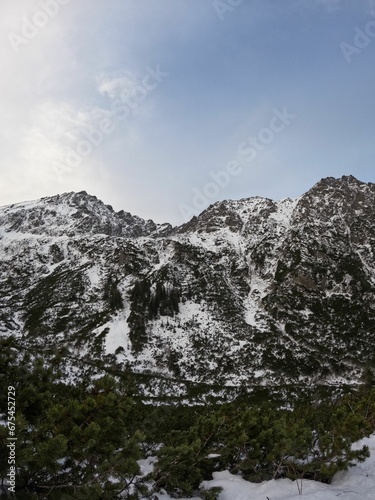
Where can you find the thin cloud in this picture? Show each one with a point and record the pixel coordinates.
(224, 79)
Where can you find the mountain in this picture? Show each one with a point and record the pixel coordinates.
(250, 293)
(74, 214)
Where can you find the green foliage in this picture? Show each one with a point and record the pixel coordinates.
(72, 440)
(164, 301)
(56, 291)
(140, 297)
(112, 294)
(181, 466)
(211, 494)
(148, 303)
(264, 442)
(84, 441)
(368, 376)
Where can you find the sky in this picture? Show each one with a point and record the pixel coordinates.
(162, 107)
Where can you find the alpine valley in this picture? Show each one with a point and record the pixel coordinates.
(250, 294)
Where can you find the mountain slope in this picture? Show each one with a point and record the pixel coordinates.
(249, 292)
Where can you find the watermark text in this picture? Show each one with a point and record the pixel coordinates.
(361, 40)
(11, 445)
(31, 26)
(247, 150)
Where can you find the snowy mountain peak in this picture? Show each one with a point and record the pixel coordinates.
(74, 214)
(347, 188)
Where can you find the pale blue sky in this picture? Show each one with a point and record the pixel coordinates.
(203, 76)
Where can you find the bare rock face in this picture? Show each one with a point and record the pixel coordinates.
(249, 292)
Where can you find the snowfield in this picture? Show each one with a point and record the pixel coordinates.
(357, 483)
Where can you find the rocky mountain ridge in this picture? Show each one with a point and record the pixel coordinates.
(75, 214)
(251, 292)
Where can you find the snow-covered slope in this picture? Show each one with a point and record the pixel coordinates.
(249, 292)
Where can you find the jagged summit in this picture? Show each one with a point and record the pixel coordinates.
(239, 216)
(344, 184)
(236, 214)
(78, 213)
(73, 214)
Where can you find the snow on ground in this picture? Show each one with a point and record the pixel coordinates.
(118, 335)
(357, 483)
(284, 211)
(258, 290)
(94, 275)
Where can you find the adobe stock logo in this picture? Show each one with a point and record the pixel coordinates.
(121, 108)
(361, 40)
(247, 150)
(31, 27)
(129, 100)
